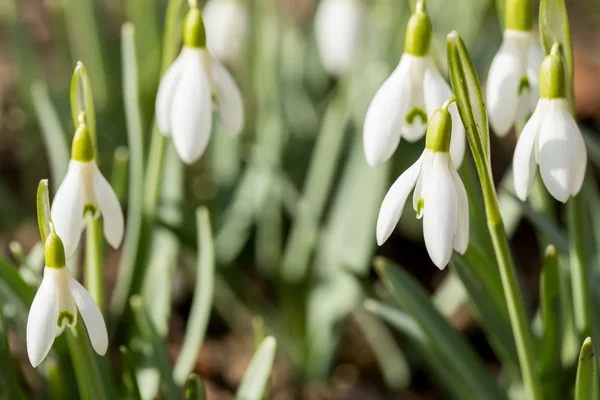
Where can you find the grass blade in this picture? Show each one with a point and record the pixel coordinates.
(257, 375)
(586, 372)
(43, 209)
(203, 299)
(7, 377)
(194, 388)
(129, 378)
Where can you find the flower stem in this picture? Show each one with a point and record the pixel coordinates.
(582, 305)
(94, 255)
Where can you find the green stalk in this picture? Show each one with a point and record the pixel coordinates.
(582, 301)
(94, 257)
(584, 384)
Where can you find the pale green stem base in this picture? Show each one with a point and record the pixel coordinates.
(94, 259)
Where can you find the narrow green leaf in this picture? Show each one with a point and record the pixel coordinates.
(500, 10)
(118, 178)
(447, 341)
(129, 378)
(402, 321)
(43, 209)
(257, 375)
(586, 372)
(160, 355)
(203, 299)
(15, 293)
(55, 139)
(194, 388)
(7, 377)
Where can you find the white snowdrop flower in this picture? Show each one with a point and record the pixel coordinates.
(84, 195)
(513, 79)
(402, 105)
(551, 138)
(339, 26)
(55, 307)
(184, 103)
(226, 28)
(439, 196)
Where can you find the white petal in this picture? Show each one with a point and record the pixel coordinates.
(229, 98)
(191, 112)
(108, 203)
(166, 90)
(428, 157)
(393, 203)
(416, 99)
(41, 322)
(441, 211)
(457, 143)
(67, 207)
(557, 157)
(226, 23)
(435, 88)
(524, 160)
(461, 237)
(94, 322)
(580, 153)
(385, 117)
(65, 300)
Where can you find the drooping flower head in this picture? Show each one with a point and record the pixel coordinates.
(184, 103)
(439, 196)
(84, 195)
(414, 90)
(513, 80)
(339, 26)
(55, 306)
(551, 138)
(226, 28)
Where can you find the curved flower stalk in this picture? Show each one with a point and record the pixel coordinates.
(439, 196)
(513, 80)
(339, 26)
(184, 103)
(227, 28)
(55, 306)
(402, 105)
(551, 138)
(84, 195)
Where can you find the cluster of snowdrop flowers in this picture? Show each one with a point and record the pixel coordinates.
(439, 195)
(184, 103)
(339, 26)
(513, 80)
(55, 306)
(227, 28)
(84, 195)
(551, 138)
(401, 107)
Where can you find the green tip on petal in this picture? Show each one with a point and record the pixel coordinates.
(82, 148)
(418, 34)
(194, 34)
(519, 15)
(439, 132)
(553, 77)
(54, 251)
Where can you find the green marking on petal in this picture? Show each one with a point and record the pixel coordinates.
(65, 315)
(420, 206)
(414, 113)
(91, 210)
(524, 85)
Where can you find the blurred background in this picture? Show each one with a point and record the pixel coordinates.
(293, 203)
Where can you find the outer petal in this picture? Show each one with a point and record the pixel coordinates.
(226, 23)
(458, 141)
(191, 111)
(416, 98)
(67, 208)
(524, 160)
(426, 165)
(393, 203)
(94, 322)
(385, 117)
(535, 56)
(461, 237)
(441, 211)
(557, 150)
(580, 152)
(166, 90)
(108, 203)
(41, 323)
(229, 98)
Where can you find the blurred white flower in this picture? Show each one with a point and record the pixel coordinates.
(184, 103)
(552, 139)
(339, 26)
(439, 196)
(226, 28)
(55, 307)
(83, 195)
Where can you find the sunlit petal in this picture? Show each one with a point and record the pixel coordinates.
(67, 207)
(524, 160)
(461, 237)
(229, 99)
(94, 322)
(166, 90)
(41, 322)
(112, 215)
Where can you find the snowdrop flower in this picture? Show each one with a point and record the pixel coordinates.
(184, 103)
(339, 26)
(403, 103)
(551, 138)
(439, 196)
(55, 306)
(513, 80)
(84, 195)
(226, 28)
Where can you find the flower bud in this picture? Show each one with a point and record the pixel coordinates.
(439, 131)
(519, 15)
(82, 148)
(194, 34)
(54, 252)
(418, 34)
(553, 76)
